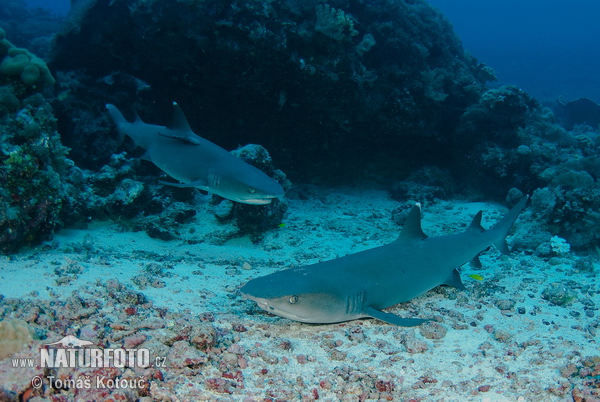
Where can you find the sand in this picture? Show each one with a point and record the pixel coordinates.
(502, 339)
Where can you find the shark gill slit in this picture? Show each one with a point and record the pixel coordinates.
(213, 179)
(354, 302)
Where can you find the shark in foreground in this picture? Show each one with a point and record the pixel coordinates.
(362, 284)
(197, 162)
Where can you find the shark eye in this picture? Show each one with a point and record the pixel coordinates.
(251, 190)
(293, 299)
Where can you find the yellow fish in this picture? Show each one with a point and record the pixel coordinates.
(477, 277)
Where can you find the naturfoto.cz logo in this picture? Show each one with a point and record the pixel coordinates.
(72, 352)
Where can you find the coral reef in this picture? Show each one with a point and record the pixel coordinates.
(379, 91)
(333, 23)
(348, 83)
(19, 62)
(512, 142)
(35, 195)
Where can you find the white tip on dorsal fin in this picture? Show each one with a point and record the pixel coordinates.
(179, 122)
(412, 226)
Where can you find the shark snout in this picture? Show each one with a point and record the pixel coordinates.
(262, 303)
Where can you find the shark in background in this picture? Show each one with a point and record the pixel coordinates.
(362, 284)
(197, 162)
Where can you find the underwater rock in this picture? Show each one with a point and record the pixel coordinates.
(223, 209)
(410, 342)
(425, 184)
(497, 115)
(579, 111)
(255, 220)
(14, 337)
(182, 355)
(203, 336)
(505, 304)
(572, 213)
(300, 78)
(433, 330)
(558, 294)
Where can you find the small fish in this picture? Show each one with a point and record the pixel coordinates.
(477, 277)
(281, 225)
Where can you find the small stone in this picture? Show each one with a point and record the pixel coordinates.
(182, 354)
(203, 336)
(411, 343)
(505, 304)
(558, 294)
(568, 371)
(502, 336)
(133, 341)
(356, 333)
(433, 330)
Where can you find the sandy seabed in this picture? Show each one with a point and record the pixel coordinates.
(526, 331)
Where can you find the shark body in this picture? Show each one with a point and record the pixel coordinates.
(197, 162)
(362, 284)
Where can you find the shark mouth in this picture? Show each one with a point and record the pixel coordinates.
(257, 201)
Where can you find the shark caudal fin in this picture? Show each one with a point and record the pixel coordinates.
(503, 227)
(118, 118)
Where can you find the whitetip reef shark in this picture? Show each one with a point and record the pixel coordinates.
(361, 285)
(197, 162)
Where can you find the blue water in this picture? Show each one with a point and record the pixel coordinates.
(547, 48)
(60, 7)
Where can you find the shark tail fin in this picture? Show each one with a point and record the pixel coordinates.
(117, 118)
(506, 223)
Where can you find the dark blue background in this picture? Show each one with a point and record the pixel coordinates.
(57, 6)
(547, 48)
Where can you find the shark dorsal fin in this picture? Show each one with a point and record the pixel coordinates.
(412, 226)
(179, 122)
(475, 225)
(179, 129)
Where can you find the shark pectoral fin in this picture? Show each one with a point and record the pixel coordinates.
(455, 281)
(187, 137)
(393, 318)
(475, 262)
